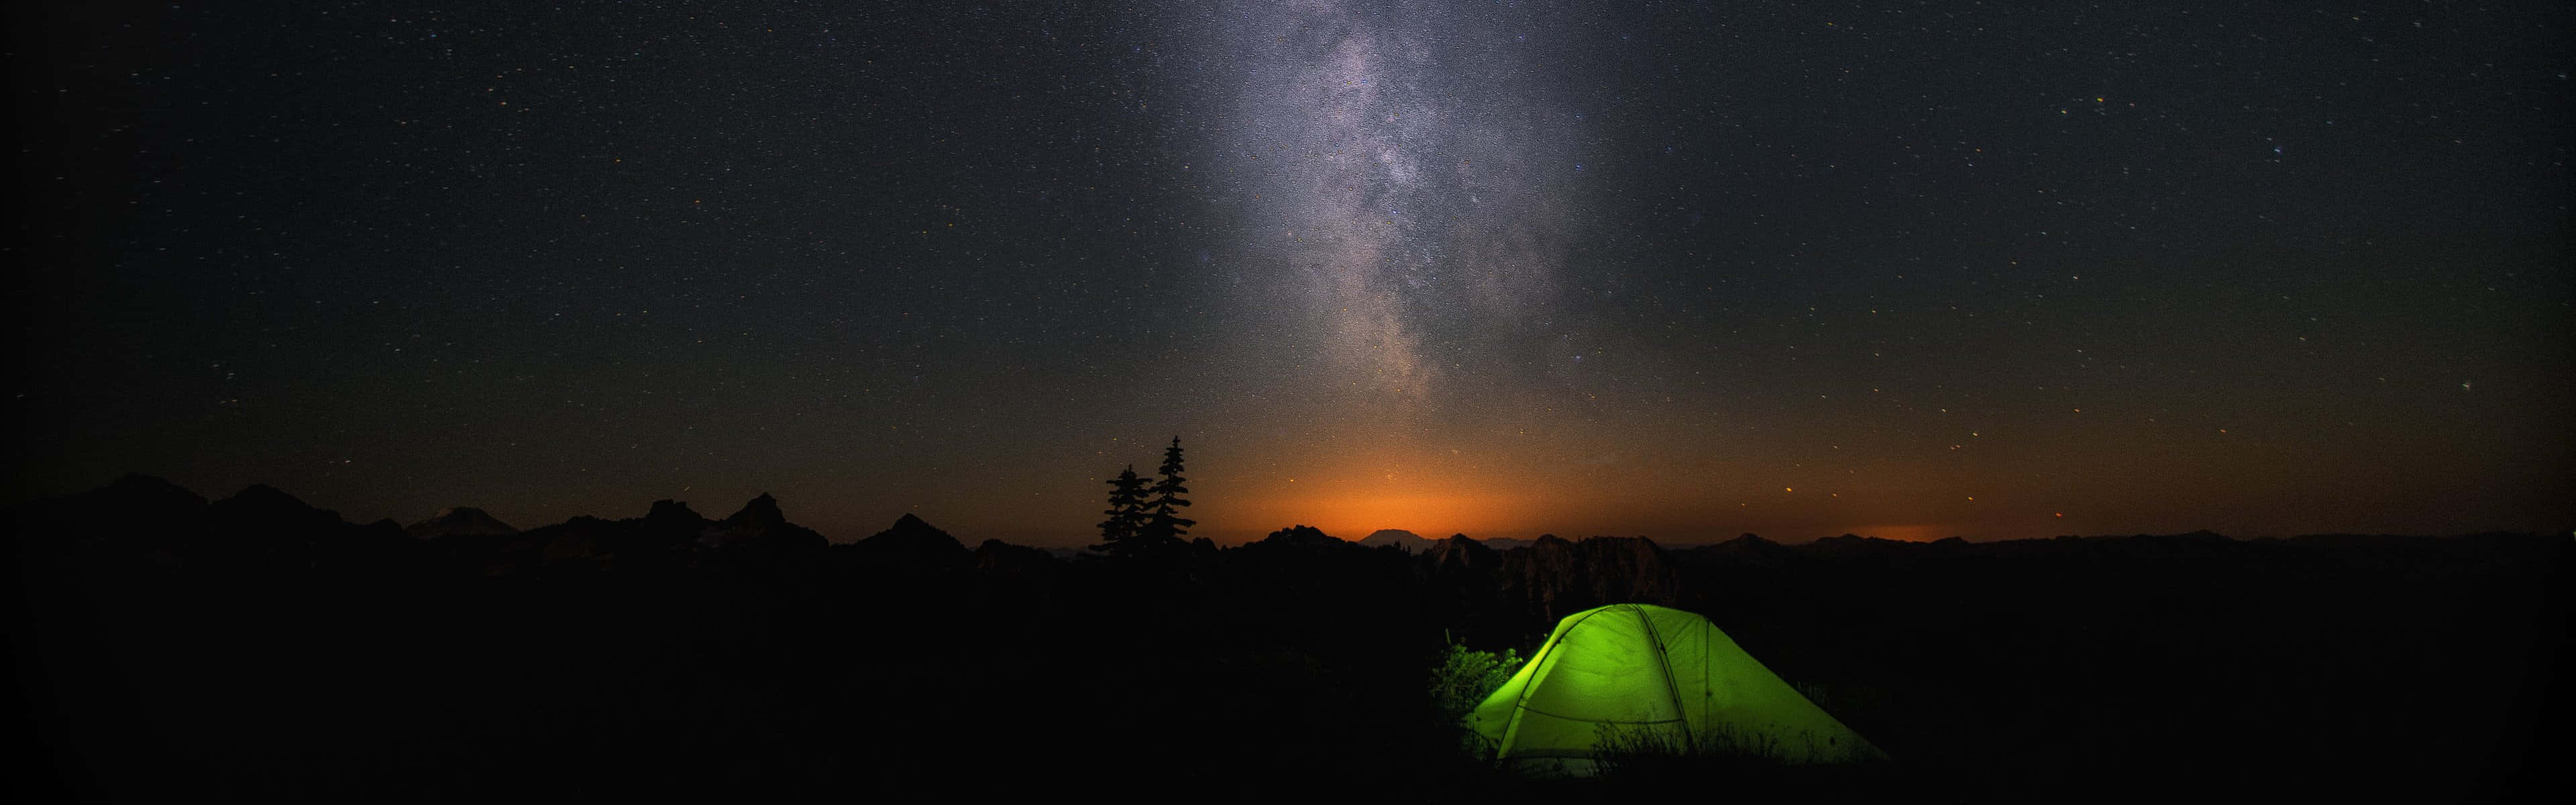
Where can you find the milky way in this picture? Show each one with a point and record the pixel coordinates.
(1402, 174)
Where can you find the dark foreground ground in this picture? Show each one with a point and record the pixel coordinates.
(170, 648)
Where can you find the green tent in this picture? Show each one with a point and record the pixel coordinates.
(1660, 676)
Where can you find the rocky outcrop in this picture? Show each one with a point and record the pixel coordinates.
(1556, 577)
(1553, 576)
(673, 513)
(1458, 556)
(761, 527)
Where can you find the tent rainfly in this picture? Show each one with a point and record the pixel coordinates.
(1664, 675)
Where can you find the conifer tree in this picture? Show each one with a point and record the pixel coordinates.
(1127, 516)
(1163, 521)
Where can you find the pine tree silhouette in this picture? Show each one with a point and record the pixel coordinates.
(1126, 512)
(1164, 524)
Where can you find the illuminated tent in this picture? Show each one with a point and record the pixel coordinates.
(1647, 674)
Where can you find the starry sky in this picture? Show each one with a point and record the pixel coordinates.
(1682, 270)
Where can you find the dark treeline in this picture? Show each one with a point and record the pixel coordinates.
(169, 646)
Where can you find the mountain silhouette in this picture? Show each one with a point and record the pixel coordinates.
(260, 507)
(140, 518)
(1401, 539)
(1299, 537)
(1748, 550)
(623, 644)
(459, 521)
(911, 545)
(1460, 554)
(761, 526)
(674, 514)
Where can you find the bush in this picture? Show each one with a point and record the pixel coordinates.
(1461, 681)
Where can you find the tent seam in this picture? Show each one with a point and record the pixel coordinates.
(1664, 660)
(1520, 704)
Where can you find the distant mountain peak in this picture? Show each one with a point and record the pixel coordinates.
(139, 484)
(1459, 550)
(263, 501)
(760, 522)
(264, 494)
(459, 521)
(1298, 535)
(761, 510)
(1406, 541)
(667, 510)
(912, 537)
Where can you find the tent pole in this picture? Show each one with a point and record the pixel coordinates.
(1663, 659)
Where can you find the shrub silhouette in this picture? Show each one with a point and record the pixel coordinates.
(1462, 680)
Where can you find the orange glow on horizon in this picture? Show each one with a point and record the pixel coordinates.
(1433, 516)
(1906, 533)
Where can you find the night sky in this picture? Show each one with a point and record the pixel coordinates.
(1681, 270)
